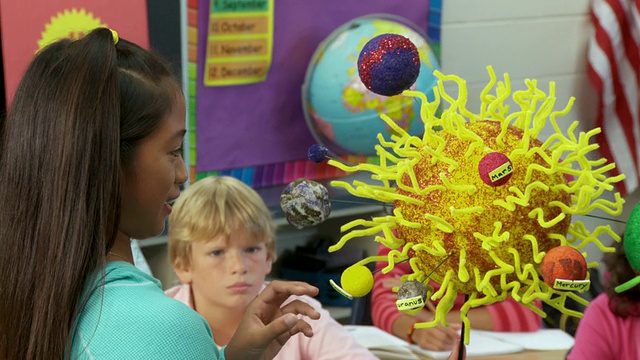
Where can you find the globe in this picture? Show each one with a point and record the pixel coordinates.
(342, 114)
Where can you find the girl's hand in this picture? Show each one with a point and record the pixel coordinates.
(267, 325)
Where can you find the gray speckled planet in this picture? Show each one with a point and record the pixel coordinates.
(305, 203)
(412, 288)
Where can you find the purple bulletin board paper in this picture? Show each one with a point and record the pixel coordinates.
(263, 123)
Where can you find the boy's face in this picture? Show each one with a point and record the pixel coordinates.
(227, 274)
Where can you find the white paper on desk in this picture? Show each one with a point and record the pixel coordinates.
(543, 339)
(382, 344)
(375, 339)
(372, 337)
(479, 345)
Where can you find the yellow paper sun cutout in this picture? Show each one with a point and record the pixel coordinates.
(72, 24)
(477, 229)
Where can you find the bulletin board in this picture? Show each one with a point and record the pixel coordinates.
(257, 131)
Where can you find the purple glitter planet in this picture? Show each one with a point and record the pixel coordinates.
(305, 203)
(317, 153)
(389, 64)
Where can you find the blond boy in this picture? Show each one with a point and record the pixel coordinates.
(222, 246)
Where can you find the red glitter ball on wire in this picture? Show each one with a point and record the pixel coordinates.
(495, 169)
(389, 64)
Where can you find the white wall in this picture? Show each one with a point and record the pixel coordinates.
(544, 40)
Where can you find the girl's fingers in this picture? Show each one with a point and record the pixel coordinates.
(299, 307)
(299, 326)
(278, 291)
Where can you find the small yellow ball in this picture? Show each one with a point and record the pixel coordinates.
(357, 280)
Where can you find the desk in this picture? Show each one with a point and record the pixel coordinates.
(525, 355)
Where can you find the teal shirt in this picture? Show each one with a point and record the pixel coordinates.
(129, 317)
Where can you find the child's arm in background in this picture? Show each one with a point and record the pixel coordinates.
(508, 315)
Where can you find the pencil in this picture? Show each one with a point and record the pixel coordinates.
(461, 345)
(430, 307)
(462, 337)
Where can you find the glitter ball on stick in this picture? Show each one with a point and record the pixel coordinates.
(415, 294)
(305, 203)
(495, 169)
(389, 64)
(563, 262)
(631, 245)
(357, 280)
(317, 153)
(632, 239)
(412, 288)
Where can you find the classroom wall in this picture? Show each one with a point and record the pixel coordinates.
(545, 40)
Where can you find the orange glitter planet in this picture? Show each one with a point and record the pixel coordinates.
(563, 262)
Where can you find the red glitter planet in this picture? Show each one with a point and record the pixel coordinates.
(563, 262)
(495, 169)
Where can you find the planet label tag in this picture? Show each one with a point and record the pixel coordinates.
(409, 304)
(501, 171)
(572, 285)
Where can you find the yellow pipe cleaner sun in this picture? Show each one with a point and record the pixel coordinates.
(479, 200)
